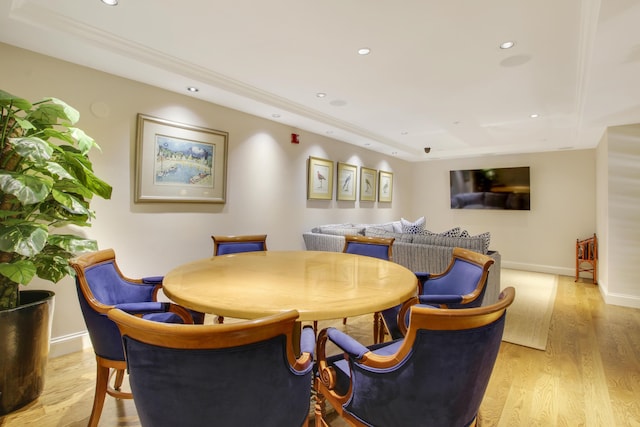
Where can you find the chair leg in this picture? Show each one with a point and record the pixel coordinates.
(376, 327)
(117, 384)
(102, 380)
(344, 320)
(319, 409)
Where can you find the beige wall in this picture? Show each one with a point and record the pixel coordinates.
(541, 239)
(266, 190)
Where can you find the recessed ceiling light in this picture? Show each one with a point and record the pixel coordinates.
(193, 89)
(321, 94)
(110, 2)
(364, 51)
(534, 116)
(507, 45)
(404, 132)
(275, 115)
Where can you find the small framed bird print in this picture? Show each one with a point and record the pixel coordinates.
(320, 179)
(368, 180)
(347, 181)
(385, 186)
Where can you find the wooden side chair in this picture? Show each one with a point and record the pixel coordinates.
(240, 374)
(461, 285)
(101, 286)
(435, 376)
(587, 257)
(377, 247)
(225, 245)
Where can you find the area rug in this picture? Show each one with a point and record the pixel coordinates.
(529, 316)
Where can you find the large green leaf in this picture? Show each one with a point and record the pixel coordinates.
(7, 99)
(32, 148)
(70, 203)
(18, 271)
(27, 189)
(73, 244)
(50, 110)
(26, 239)
(75, 164)
(56, 169)
(85, 142)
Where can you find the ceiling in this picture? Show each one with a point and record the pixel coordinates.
(435, 77)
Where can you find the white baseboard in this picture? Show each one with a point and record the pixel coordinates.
(549, 269)
(609, 298)
(69, 344)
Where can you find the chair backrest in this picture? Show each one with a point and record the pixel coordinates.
(223, 245)
(466, 275)
(437, 375)
(377, 247)
(100, 286)
(240, 374)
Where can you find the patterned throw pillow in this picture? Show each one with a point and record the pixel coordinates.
(454, 232)
(416, 227)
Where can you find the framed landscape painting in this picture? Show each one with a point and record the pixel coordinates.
(347, 181)
(320, 179)
(179, 163)
(385, 187)
(368, 184)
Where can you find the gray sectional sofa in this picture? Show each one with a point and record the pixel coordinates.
(424, 251)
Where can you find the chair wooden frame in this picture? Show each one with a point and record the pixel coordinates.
(215, 336)
(253, 238)
(378, 324)
(481, 260)
(587, 253)
(420, 318)
(104, 373)
(174, 335)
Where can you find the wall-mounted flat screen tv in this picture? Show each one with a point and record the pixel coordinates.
(498, 188)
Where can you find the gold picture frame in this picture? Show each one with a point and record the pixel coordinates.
(176, 162)
(319, 179)
(347, 181)
(385, 186)
(368, 181)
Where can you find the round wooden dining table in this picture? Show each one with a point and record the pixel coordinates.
(319, 285)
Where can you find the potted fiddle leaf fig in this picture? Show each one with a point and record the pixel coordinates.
(46, 182)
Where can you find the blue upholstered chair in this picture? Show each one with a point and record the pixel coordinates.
(225, 245)
(461, 285)
(101, 286)
(238, 374)
(376, 247)
(436, 376)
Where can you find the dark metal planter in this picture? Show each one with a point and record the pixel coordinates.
(24, 349)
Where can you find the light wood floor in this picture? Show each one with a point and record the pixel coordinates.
(588, 376)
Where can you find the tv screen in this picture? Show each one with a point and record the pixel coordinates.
(498, 188)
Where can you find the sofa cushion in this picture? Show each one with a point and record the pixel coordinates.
(382, 232)
(454, 232)
(342, 230)
(416, 227)
(475, 243)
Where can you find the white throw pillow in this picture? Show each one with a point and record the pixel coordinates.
(416, 227)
